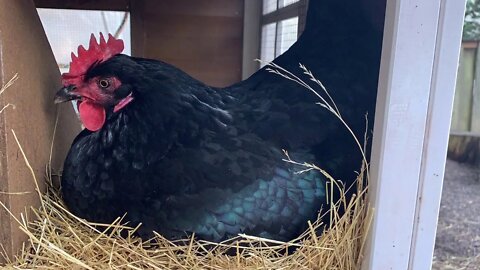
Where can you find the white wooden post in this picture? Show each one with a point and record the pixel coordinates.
(416, 88)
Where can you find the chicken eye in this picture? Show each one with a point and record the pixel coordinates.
(104, 83)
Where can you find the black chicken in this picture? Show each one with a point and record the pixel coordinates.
(180, 156)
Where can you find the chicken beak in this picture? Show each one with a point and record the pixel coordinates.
(65, 94)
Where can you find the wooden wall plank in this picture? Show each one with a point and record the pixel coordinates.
(462, 108)
(137, 26)
(445, 66)
(475, 117)
(417, 75)
(113, 5)
(251, 37)
(24, 49)
(203, 38)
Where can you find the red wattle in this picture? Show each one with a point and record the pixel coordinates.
(92, 115)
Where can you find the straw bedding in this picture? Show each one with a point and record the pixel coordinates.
(59, 240)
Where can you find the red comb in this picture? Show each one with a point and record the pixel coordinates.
(96, 53)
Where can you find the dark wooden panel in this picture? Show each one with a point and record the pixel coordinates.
(119, 5)
(182, 25)
(230, 8)
(221, 52)
(202, 37)
(137, 32)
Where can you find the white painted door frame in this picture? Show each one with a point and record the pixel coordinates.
(417, 82)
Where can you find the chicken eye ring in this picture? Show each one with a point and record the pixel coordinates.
(104, 83)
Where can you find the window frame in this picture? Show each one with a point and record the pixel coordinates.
(297, 9)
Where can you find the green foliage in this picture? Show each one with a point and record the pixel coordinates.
(471, 26)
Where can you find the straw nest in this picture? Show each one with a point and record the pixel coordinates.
(59, 240)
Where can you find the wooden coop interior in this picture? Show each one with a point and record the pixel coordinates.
(216, 41)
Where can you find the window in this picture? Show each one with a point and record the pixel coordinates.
(66, 29)
(268, 42)
(269, 6)
(272, 5)
(287, 32)
(284, 3)
(281, 24)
